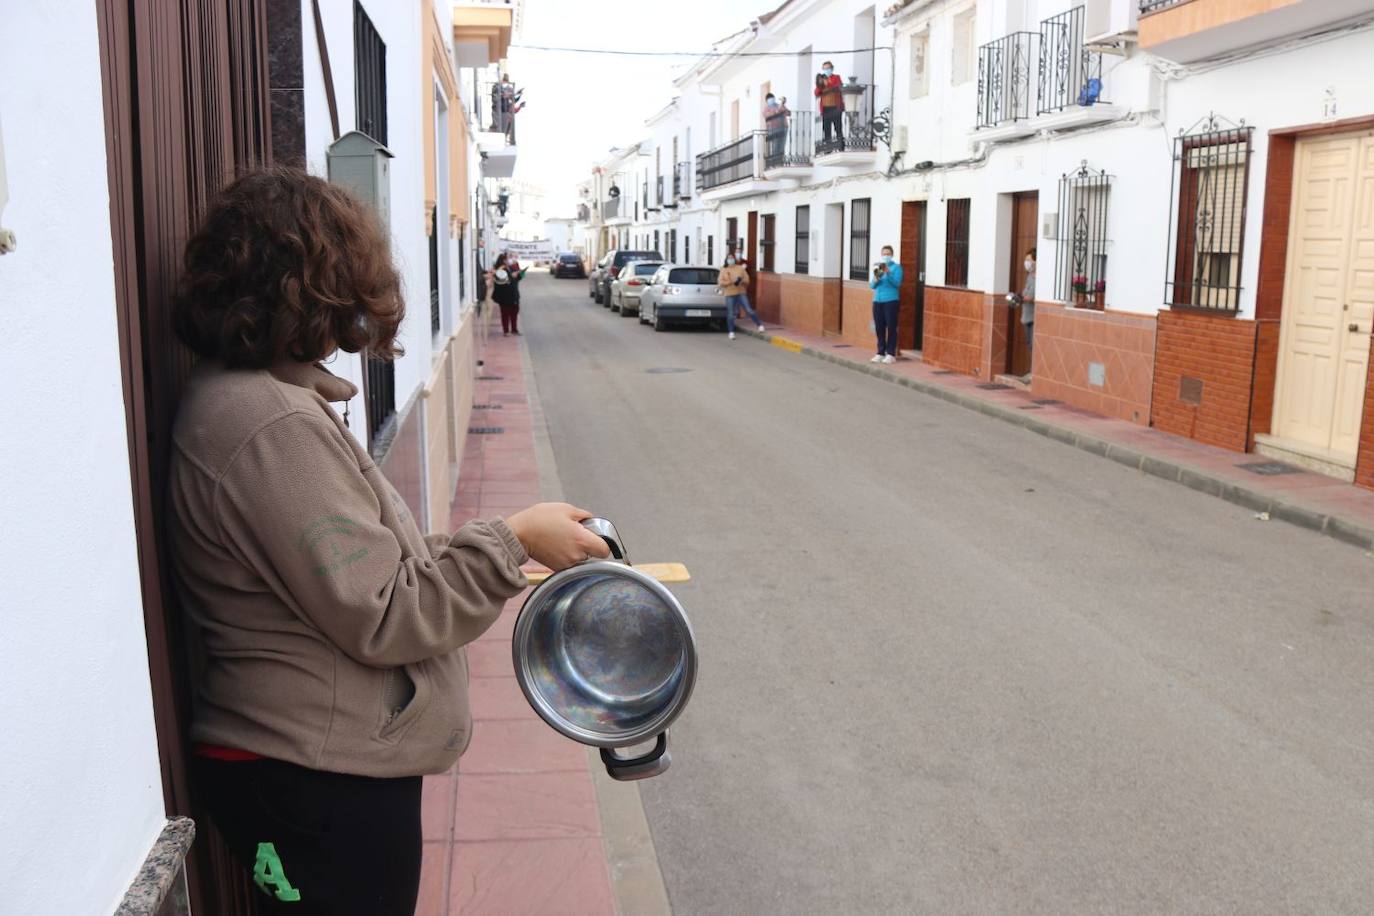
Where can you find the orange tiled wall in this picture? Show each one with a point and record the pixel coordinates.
(1068, 341)
(801, 300)
(1221, 352)
(769, 305)
(858, 315)
(1364, 460)
(954, 329)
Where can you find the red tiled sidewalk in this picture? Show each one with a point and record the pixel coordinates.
(1311, 500)
(514, 828)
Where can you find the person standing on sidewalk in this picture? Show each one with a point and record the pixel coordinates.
(505, 292)
(1027, 301)
(327, 632)
(887, 292)
(732, 284)
(831, 103)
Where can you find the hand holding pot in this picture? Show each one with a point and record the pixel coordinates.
(553, 535)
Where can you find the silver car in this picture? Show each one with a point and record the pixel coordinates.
(682, 293)
(630, 283)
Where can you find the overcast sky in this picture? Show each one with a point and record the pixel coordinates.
(577, 106)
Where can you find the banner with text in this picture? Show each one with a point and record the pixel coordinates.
(541, 250)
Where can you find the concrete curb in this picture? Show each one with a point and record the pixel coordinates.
(1352, 531)
(636, 878)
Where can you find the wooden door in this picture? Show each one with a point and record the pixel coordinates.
(185, 102)
(752, 258)
(832, 315)
(1025, 215)
(911, 323)
(1328, 303)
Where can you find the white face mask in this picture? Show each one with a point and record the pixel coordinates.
(1030, 264)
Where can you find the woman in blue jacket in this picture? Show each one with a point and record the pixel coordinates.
(887, 285)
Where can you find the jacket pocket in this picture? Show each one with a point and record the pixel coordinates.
(404, 696)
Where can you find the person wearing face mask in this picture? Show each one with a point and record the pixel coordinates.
(775, 114)
(887, 286)
(731, 284)
(831, 103)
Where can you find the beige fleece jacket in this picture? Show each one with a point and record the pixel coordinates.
(328, 631)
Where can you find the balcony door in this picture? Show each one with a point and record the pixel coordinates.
(913, 258)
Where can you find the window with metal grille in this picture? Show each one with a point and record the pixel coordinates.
(710, 249)
(1081, 258)
(369, 75)
(462, 269)
(802, 251)
(858, 239)
(731, 231)
(956, 241)
(369, 78)
(656, 248)
(768, 243)
(1207, 217)
(435, 318)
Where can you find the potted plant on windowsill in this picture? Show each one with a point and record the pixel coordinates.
(1080, 290)
(1100, 295)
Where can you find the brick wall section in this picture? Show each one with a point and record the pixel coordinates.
(954, 329)
(1364, 459)
(769, 305)
(1219, 351)
(801, 300)
(1068, 341)
(1262, 390)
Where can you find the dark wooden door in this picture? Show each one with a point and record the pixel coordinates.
(752, 255)
(185, 102)
(832, 312)
(911, 321)
(1025, 216)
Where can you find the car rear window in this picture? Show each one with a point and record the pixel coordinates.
(646, 268)
(624, 257)
(696, 275)
(568, 258)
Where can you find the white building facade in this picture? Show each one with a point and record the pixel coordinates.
(1155, 156)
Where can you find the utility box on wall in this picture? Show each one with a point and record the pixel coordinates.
(361, 165)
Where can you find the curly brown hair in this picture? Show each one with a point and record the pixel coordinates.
(286, 266)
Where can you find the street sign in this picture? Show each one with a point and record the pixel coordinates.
(541, 249)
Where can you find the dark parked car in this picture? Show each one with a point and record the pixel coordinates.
(609, 266)
(569, 265)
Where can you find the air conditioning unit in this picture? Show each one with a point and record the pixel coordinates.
(899, 138)
(1110, 25)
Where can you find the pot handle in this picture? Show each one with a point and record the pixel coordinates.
(650, 764)
(606, 531)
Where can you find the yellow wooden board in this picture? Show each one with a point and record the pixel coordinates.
(663, 572)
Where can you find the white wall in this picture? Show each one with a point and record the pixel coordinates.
(79, 774)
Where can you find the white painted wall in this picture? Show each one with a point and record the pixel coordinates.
(79, 774)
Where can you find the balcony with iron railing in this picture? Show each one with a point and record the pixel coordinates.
(1049, 79)
(496, 103)
(791, 147)
(733, 163)
(659, 200)
(610, 208)
(1187, 31)
(848, 136)
(682, 181)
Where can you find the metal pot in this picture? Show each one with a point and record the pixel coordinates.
(605, 654)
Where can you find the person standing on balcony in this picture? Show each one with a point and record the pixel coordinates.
(775, 115)
(831, 102)
(887, 290)
(733, 284)
(326, 631)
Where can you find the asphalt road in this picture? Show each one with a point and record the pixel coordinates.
(949, 666)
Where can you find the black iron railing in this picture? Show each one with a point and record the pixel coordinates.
(792, 144)
(1070, 74)
(1004, 79)
(369, 75)
(497, 104)
(659, 198)
(1081, 261)
(435, 318)
(1207, 216)
(380, 396)
(584, 213)
(738, 160)
(850, 130)
(682, 181)
(610, 208)
(1153, 6)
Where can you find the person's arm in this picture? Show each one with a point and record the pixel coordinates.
(296, 508)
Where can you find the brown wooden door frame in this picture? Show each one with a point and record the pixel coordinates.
(185, 102)
(913, 290)
(1025, 215)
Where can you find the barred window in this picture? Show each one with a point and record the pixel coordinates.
(802, 251)
(766, 262)
(858, 239)
(369, 74)
(1081, 260)
(1207, 225)
(956, 241)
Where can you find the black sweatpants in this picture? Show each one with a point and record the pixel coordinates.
(315, 842)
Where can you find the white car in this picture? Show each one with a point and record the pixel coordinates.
(682, 293)
(630, 284)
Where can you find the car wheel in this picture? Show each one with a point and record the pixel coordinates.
(659, 323)
(617, 306)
